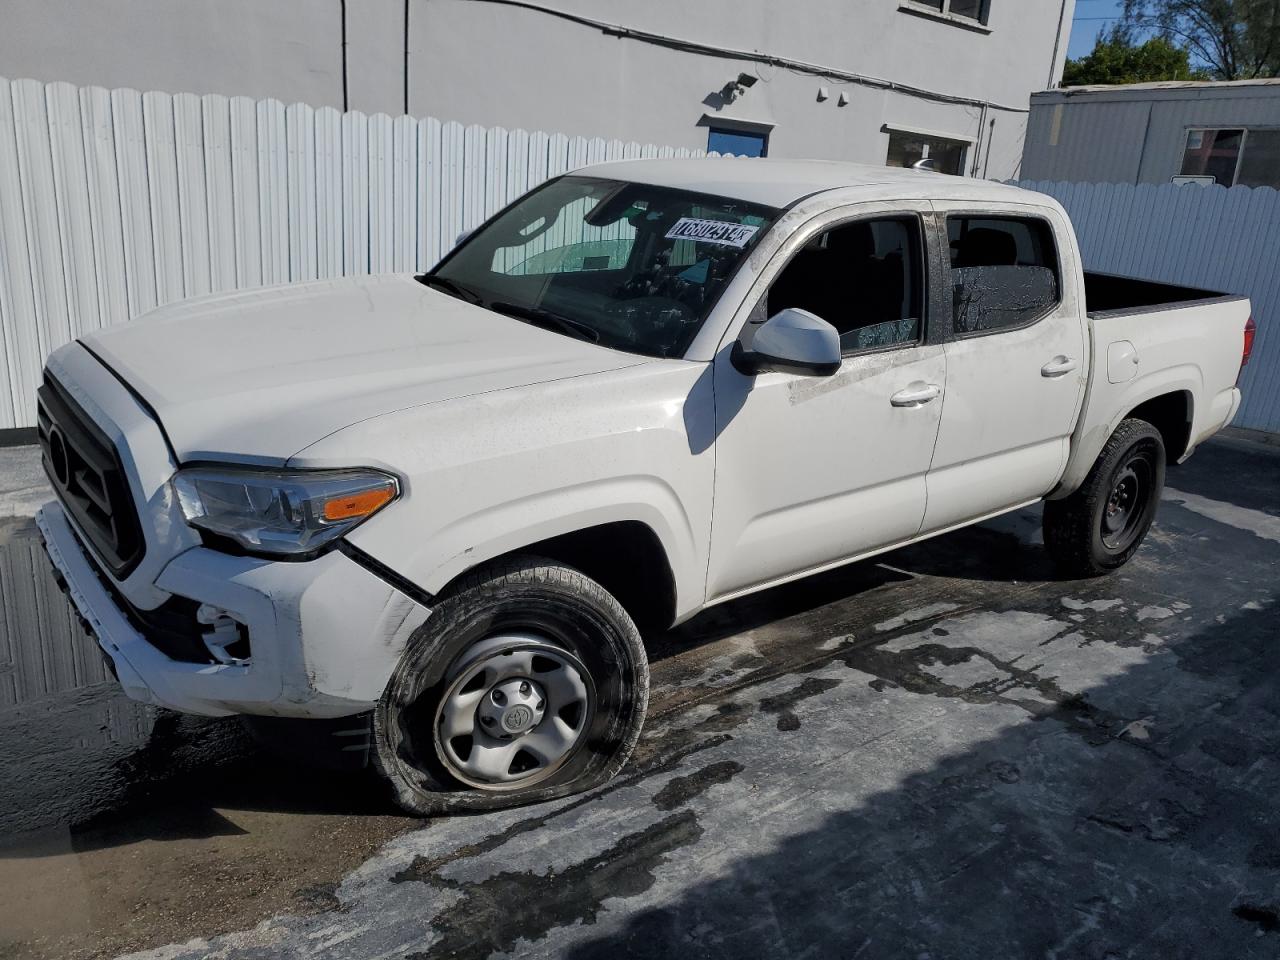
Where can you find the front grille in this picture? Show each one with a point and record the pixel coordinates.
(89, 479)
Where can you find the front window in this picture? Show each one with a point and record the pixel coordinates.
(627, 265)
(865, 278)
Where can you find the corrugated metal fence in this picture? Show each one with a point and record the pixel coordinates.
(113, 202)
(1212, 237)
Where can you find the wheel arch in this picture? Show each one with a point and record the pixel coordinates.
(1166, 401)
(1172, 414)
(626, 557)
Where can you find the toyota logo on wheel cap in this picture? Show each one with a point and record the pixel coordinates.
(517, 718)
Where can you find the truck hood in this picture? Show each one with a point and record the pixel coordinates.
(262, 374)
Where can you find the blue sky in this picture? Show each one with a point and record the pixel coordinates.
(1088, 23)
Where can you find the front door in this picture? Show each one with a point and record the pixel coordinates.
(1016, 362)
(811, 471)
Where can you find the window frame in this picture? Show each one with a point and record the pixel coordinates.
(1235, 171)
(739, 131)
(925, 9)
(925, 278)
(1245, 130)
(966, 144)
(948, 287)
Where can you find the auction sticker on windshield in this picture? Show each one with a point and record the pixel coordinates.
(712, 231)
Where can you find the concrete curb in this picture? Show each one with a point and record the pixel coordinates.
(23, 487)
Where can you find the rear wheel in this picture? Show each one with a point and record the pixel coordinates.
(1100, 526)
(527, 682)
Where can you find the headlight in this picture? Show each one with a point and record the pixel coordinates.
(281, 511)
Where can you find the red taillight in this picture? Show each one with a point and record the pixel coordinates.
(1250, 328)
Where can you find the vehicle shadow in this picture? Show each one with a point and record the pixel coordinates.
(789, 600)
(1005, 549)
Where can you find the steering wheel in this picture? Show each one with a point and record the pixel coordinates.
(653, 318)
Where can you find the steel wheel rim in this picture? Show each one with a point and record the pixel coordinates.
(1126, 504)
(516, 710)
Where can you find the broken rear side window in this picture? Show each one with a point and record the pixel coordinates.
(1004, 272)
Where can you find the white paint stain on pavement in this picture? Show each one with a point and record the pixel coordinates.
(837, 641)
(1139, 729)
(1071, 603)
(916, 615)
(1154, 613)
(1260, 524)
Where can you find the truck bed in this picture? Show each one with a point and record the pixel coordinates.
(1109, 293)
(1150, 340)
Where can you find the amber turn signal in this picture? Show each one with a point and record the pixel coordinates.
(358, 504)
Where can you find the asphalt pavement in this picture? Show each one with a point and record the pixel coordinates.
(945, 753)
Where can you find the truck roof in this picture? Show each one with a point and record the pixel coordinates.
(780, 183)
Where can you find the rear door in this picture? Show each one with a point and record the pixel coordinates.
(1016, 359)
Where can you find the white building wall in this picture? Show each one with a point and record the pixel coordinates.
(510, 64)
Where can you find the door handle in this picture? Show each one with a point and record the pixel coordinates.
(916, 395)
(1059, 366)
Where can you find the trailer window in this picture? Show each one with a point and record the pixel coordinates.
(1213, 153)
(1004, 272)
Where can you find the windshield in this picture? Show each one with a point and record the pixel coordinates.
(626, 265)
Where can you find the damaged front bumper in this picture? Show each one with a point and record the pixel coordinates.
(323, 636)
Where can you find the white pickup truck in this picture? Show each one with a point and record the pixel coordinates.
(640, 390)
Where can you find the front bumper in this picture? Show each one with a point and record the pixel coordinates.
(324, 634)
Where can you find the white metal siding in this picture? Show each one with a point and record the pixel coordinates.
(1208, 237)
(113, 202)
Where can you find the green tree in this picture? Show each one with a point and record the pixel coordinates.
(1115, 58)
(1234, 39)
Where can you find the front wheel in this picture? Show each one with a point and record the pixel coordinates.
(1100, 526)
(527, 682)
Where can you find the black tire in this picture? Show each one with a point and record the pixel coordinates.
(525, 595)
(1099, 527)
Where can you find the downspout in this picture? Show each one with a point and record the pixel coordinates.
(977, 147)
(346, 105)
(991, 135)
(406, 57)
(1057, 45)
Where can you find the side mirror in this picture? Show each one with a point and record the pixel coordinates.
(791, 341)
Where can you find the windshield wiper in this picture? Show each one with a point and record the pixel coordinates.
(451, 287)
(547, 318)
